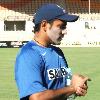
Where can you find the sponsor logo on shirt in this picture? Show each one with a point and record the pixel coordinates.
(57, 73)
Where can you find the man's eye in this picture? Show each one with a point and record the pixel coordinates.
(62, 27)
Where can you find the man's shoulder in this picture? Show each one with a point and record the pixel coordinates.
(31, 45)
(28, 45)
(29, 48)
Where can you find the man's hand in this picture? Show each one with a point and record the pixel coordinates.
(81, 90)
(79, 82)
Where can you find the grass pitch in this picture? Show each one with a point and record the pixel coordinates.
(82, 60)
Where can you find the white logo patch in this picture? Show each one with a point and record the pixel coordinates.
(57, 73)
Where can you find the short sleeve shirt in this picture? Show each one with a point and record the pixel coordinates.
(39, 68)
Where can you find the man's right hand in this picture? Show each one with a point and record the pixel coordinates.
(79, 82)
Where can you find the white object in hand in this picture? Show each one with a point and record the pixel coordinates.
(69, 77)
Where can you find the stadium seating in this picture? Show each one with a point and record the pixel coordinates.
(73, 6)
(82, 6)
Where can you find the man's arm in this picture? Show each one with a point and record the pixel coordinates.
(58, 94)
(77, 86)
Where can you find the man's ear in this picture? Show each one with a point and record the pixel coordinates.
(44, 25)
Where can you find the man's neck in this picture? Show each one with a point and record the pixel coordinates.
(40, 41)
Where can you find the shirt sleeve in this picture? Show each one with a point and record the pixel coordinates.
(28, 73)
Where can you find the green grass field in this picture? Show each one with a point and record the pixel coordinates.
(82, 60)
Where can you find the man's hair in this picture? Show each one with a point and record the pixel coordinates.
(37, 26)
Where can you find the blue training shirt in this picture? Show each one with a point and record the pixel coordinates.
(39, 68)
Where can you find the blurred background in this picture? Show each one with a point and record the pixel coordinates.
(80, 45)
(16, 22)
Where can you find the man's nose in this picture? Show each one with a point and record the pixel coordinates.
(64, 31)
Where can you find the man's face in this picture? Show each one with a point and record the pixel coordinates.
(56, 31)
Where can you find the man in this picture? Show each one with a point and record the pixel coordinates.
(41, 71)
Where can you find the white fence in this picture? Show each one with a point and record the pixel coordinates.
(83, 33)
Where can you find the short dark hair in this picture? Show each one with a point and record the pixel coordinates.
(37, 26)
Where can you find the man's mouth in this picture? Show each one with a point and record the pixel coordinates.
(60, 38)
